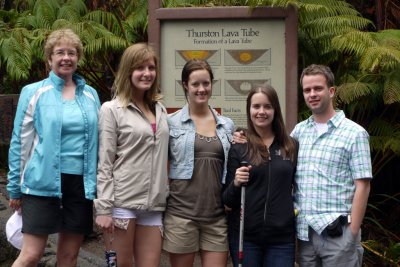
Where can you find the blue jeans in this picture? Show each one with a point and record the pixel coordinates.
(267, 255)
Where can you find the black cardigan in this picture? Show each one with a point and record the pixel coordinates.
(269, 211)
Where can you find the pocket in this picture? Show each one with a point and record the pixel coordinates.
(335, 228)
(176, 133)
(177, 144)
(353, 238)
(348, 235)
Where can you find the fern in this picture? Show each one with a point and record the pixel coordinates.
(383, 128)
(18, 59)
(350, 92)
(104, 44)
(37, 43)
(68, 12)
(386, 136)
(62, 23)
(379, 58)
(353, 42)
(107, 19)
(45, 13)
(391, 91)
(137, 17)
(78, 5)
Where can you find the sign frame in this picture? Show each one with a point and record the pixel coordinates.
(158, 15)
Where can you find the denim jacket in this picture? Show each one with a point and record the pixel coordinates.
(181, 142)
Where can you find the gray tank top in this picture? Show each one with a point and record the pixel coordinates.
(200, 197)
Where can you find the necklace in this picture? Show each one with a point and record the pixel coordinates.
(208, 139)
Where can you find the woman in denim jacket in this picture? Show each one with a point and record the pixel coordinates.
(198, 153)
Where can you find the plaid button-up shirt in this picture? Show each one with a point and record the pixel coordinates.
(326, 167)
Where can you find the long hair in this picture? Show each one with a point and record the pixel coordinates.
(257, 152)
(134, 56)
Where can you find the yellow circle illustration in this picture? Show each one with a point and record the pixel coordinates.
(245, 56)
(191, 54)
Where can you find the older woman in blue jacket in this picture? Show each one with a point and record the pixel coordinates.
(53, 155)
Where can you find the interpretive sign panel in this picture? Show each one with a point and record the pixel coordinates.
(244, 47)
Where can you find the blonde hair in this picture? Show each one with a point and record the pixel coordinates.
(134, 56)
(63, 36)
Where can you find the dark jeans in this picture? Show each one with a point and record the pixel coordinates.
(267, 255)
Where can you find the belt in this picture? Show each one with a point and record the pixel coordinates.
(345, 219)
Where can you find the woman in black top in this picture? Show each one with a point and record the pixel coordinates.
(269, 219)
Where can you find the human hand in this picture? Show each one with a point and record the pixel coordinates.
(242, 176)
(239, 137)
(105, 222)
(227, 209)
(15, 204)
(354, 229)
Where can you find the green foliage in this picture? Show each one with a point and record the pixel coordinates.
(351, 91)
(373, 59)
(106, 19)
(104, 33)
(382, 245)
(15, 52)
(384, 142)
(319, 22)
(391, 87)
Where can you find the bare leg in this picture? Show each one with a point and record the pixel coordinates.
(32, 250)
(122, 243)
(182, 259)
(214, 259)
(68, 249)
(147, 246)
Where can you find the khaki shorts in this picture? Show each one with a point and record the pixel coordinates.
(188, 236)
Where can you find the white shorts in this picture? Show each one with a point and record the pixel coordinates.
(147, 218)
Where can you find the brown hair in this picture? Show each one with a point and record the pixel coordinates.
(256, 150)
(315, 69)
(191, 66)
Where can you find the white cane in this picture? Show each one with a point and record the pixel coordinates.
(241, 226)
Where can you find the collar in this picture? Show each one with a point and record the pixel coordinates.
(185, 115)
(59, 82)
(119, 103)
(158, 107)
(332, 122)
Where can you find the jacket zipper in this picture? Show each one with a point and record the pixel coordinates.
(152, 159)
(152, 153)
(268, 188)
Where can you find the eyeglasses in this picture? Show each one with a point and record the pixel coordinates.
(61, 53)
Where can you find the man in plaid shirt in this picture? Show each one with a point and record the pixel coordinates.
(333, 176)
